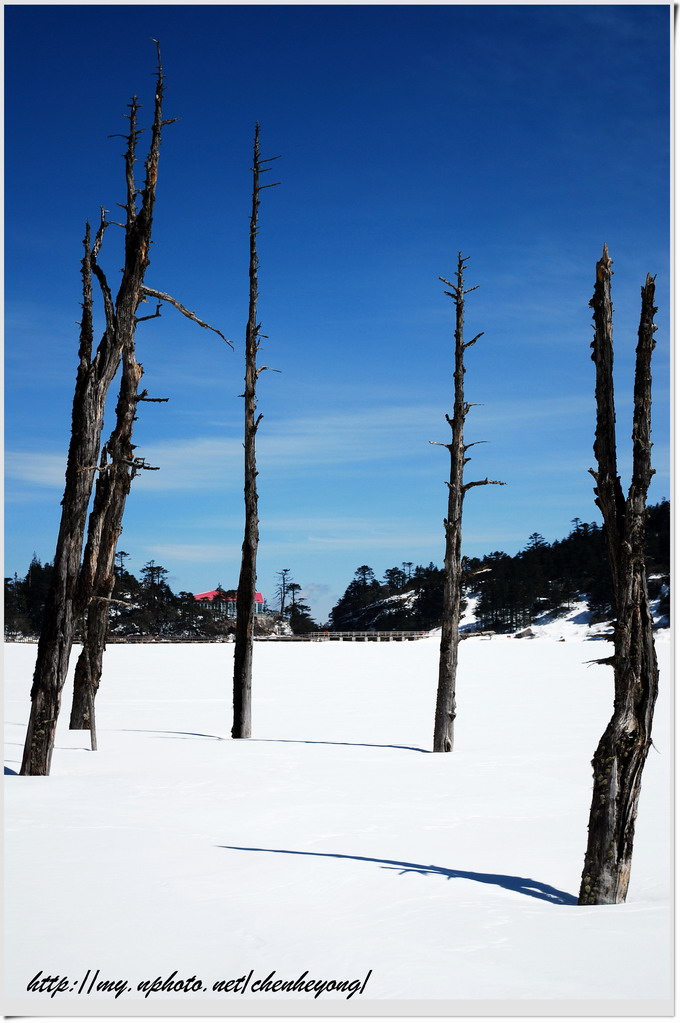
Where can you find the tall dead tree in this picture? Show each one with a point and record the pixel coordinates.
(117, 468)
(94, 377)
(448, 655)
(65, 602)
(245, 597)
(621, 754)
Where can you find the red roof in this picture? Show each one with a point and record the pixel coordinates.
(231, 594)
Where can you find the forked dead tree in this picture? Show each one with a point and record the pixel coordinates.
(622, 751)
(117, 468)
(94, 377)
(448, 655)
(67, 600)
(245, 598)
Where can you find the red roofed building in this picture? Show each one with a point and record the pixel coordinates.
(224, 601)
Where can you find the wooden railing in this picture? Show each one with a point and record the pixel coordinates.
(350, 637)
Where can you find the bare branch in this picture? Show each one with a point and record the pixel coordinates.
(263, 368)
(86, 325)
(152, 316)
(484, 483)
(143, 397)
(642, 444)
(99, 238)
(140, 463)
(182, 309)
(469, 344)
(131, 205)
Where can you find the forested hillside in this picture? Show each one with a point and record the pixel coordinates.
(512, 591)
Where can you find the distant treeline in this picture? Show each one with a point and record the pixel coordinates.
(141, 607)
(512, 591)
(146, 607)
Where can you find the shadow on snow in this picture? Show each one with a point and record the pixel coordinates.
(520, 885)
(307, 742)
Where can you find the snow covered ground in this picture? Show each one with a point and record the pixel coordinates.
(333, 842)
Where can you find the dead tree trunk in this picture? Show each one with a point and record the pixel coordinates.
(245, 597)
(622, 751)
(448, 656)
(117, 469)
(92, 383)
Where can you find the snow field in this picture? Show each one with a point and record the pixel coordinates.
(334, 841)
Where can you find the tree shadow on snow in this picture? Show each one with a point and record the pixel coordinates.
(162, 732)
(309, 742)
(520, 885)
(328, 742)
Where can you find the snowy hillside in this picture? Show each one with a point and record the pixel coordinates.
(333, 842)
(575, 623)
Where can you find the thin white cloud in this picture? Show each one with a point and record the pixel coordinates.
(42, 470)
(388, 434)
(198, 552)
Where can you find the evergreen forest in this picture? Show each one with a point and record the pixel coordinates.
(511, 590)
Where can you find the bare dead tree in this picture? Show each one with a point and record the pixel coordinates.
(245, 597)
(445, 712)
(117, 469)
(95, 374)
(621, 754)
(94, 377)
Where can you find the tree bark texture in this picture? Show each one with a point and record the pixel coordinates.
(64, 604)
(445, 712)
(621, 754)
(118, 467)
(245, 597)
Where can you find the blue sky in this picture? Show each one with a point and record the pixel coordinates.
(523, 136)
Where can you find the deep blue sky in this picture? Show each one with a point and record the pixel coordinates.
(525, 136)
